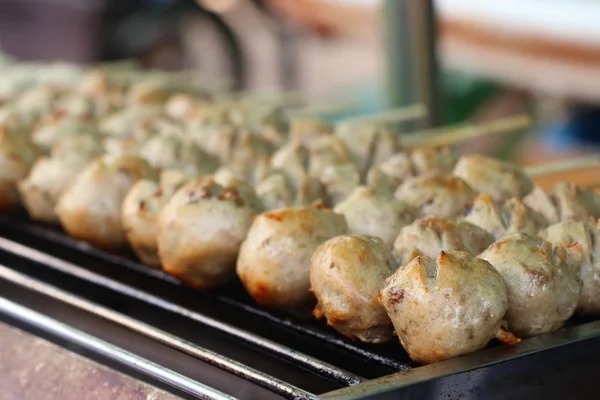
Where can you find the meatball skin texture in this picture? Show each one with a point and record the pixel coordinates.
(502, 180)
(17, 156)
(375, 213)
(200, 231)
(543, 287)
(274, 260)
(437, 196)
(446, 306)
(90, 209)
(346, 275)
(428, 236)
(504, 219)
(140, 211)
(581, 238)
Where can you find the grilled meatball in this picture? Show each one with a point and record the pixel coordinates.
(430, 235)
(378, 179)
(90, 209)
(140, 210)
(543, 203)
(292, 159)
(51, 176)
(581, 237)
(346, 275)
(275, 192)
(543, 286)
(245, 191)
(512, 216)
(326, 151)
(274, 260)
(173, 153)
(306, 129)
(404, 165)
(397, 169)
(203, 257)
(502, 180)
(437, 196)
(17, 156)
(446, 306)
(375, 213)
(432, 160)
(339, 181)
(367, 143)
(566, 202)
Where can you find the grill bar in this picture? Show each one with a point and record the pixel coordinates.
(105, 349)
(224, 363)
(312, 364)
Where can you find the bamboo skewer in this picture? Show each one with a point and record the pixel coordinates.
(447, 135)
(563, 166)
(412, 112)
(317, 109)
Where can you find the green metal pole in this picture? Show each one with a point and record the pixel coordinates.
(412, 73)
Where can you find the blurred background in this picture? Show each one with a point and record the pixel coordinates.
(468, 60)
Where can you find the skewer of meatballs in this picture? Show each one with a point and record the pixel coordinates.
(194, 190)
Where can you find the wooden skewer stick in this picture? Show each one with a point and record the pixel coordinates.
(401, 114)
(447, 135)
(318, 109)
(563, 166)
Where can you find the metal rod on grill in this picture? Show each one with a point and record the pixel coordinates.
(250, 374)
(304, 360)
(105, 349)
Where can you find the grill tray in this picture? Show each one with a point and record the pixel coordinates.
(336, 364)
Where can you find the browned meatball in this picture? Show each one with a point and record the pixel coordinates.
(327, 151)
(90, 209)
(398, 167)
(339, 181)
(581, 238)
(274, 260)
(512, 216)
(200, 231)
(377, 213)
(292, 159)
(502, 180)
(437, 196)
(367, 143)
(565, 202)
(346, 275)
(140, 211)
(446, 306)
(428, 236)
(432, 160)
(543, 286)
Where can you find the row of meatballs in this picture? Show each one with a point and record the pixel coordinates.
(398, 248)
